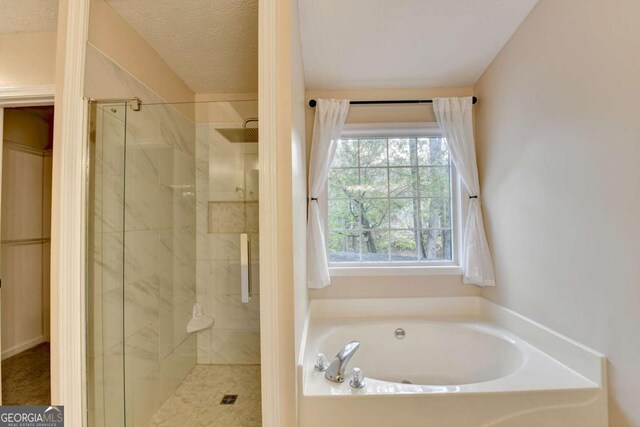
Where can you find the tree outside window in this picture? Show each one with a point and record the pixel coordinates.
(390, 201)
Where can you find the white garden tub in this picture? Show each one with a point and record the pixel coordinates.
(462, 362)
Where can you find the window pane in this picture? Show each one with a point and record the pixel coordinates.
(390, 201)
(434, 181)
(435, 213)
(344, 246)
(375, 213)
(402, 182)
(402, 213)
(343, 183)
(346, 154)
(373, 152)
(375, 246)
(432, 151)
(344, 214)
(373, 183)
(402, 152)
(435, 245)
(403, 246)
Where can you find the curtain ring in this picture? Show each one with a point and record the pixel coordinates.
(314, 199)
(473, 197)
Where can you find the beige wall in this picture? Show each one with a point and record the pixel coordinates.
(394, 287)
(116, 39)
(26, 129)
(559, 146)
(28, 59)
(387, 286)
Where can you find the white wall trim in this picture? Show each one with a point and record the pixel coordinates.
(27, 96)
(69, 222)
(19, 348)
(267, 101)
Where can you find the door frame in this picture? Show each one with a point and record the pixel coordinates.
(69, 215)
(11, 97)
(277, 329)
(27, 96)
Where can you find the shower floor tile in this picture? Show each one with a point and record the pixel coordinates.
(196, 401)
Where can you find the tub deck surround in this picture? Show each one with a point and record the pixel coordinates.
(503, 368)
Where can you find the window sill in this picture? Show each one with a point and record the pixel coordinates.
(365, 271)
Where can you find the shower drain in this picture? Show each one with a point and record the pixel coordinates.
(229, 399)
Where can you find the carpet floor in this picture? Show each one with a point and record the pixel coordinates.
(26, 377)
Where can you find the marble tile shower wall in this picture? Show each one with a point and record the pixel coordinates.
(235, 337)
(160, 257)
(144, 263)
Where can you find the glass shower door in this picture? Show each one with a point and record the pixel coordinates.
(105, 266)
(174, 189)
(160, 255)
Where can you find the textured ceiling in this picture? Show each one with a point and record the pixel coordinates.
(24, 16)
(407, 43)
(211, 44)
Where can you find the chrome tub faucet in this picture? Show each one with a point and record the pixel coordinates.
(335, 371)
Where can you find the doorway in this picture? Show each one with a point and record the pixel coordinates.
(25, 231)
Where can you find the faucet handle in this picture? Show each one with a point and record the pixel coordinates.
(348, 350)
(357, 378)
(321, 363)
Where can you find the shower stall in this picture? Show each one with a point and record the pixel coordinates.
(173, 242)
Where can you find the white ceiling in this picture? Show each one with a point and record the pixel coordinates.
(404, 43)
(25, 16)
(211, 44)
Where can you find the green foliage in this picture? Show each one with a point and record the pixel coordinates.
(390, 200)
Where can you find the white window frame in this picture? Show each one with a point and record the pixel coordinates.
(459, 206)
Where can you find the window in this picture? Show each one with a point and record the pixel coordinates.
(390, 202)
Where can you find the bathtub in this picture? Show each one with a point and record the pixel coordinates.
(447, 362)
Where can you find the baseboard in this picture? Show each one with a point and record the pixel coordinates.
(6, 353)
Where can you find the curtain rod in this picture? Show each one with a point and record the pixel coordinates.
(313, 102)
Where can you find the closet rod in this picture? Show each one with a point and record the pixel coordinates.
(313, 102)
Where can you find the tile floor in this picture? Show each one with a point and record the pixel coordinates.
(196, 402)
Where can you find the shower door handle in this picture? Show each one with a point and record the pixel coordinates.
(245, 268)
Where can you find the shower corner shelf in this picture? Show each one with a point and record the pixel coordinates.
(199, 322)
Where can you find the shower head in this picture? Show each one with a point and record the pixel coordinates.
(240, 135)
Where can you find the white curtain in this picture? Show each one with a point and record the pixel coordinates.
(455, 118)
(327, 127)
